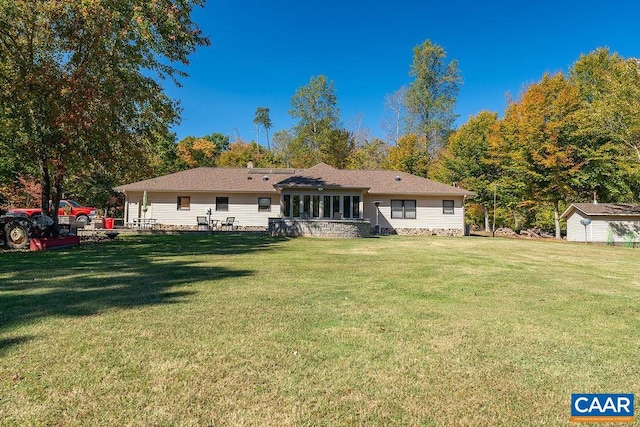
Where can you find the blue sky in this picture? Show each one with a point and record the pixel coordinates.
(263, 51)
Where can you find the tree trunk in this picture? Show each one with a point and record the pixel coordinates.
(556, 217)
(45, 181)
(56, 195)
(487, 226)
(268, 143)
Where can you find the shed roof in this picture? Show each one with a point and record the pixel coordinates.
(603, 209)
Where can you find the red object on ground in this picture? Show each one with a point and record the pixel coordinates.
(40, 244)
(108, 223)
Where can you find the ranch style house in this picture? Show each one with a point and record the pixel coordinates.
(318, 201)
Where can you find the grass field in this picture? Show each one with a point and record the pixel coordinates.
(233, 329)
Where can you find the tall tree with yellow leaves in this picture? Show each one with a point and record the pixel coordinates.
(537, 147)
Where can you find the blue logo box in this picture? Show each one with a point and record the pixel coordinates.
(602, 407)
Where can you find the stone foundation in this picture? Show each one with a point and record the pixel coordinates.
(445, 232)
(285, 227)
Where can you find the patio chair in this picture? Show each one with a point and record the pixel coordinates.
(229, 222)
(203, 224)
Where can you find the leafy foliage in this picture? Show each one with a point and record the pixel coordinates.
(466, 160)
(204, 151)
(241, 154)
(430, 98)
(77, 80)
(538, 138)
(370, 155)
(410, 155)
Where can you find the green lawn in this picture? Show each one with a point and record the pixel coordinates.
(234, 329)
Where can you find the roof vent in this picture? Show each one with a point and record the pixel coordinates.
(249, 177)
(398, 178)
(265, 178)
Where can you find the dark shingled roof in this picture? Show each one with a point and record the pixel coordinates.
(320, 175)
(604, 209)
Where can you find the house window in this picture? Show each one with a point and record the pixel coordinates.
(356, 206)
(326, 208)
(405, 209)
(306, 208)
(336, 207)
(447, 207)
(315, 202)
(184, 203)
(264, 204)
(286, 208)
(346, 205)
(296, 206)
(222, 204)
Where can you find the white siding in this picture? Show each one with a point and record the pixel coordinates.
(244, 207)
(575, 230)
(428, 213)
(603, 229)
(616, 229)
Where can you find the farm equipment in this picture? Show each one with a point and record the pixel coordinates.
(16, 229)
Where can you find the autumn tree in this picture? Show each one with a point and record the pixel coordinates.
(431, 96)
(241, 153)
(81, 80)
(202, 151)
(411, 155)
(538, 148)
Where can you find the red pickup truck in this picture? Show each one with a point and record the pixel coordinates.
(82, 213)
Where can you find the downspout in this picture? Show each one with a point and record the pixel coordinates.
(126, 207)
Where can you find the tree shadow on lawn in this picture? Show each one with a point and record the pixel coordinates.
(135, 272)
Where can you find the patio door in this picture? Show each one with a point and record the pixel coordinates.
(313, 205)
